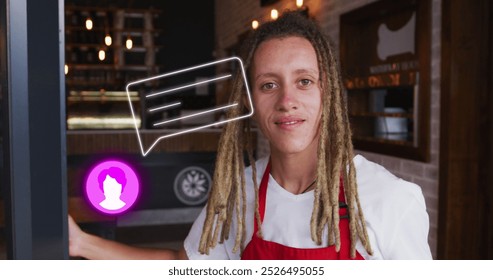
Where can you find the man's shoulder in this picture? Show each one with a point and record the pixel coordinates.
(375, 182)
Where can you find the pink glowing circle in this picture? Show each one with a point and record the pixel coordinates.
(96, 195)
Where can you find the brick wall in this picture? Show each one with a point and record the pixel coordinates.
(234, 17)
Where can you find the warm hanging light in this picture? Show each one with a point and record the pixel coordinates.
(66, 69)
(255, 24)
(89, 23)
(102, 54)
(107, 40)
(274, 14)
(129, 43)
(299, 3)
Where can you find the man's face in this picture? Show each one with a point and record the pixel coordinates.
(286, 94)
(111, 187)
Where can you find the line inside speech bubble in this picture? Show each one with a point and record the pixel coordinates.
(166, 95)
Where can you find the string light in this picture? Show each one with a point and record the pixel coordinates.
(129, 43)
(299, 3)
(89, 23)
(102, 54)
(66, 69)
(274, 14)
(255, 24)
(107, 40)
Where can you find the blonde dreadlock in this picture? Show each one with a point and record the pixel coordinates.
(335, 151)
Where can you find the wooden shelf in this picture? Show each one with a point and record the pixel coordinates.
(99, 66)
(69, 9)
(70, 46)
(136, 48)
(111, 67)
(382, 140)
(78, 99)
(381, 114)
(85, 45)
(69, 82)
(80, 142)
(103, 29)
(88, 74)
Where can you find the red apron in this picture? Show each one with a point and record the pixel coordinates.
(259, 249)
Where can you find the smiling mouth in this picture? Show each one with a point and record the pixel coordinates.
(289, 122)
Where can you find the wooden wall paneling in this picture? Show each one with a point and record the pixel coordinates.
(465, 162)
(489, 126)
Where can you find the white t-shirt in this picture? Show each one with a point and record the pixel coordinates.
(394, 210)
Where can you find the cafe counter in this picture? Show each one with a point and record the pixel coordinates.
(162, 172)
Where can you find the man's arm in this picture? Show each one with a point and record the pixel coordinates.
(82, 244)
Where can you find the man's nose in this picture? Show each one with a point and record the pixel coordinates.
(287, 99)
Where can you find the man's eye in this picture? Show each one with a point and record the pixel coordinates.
(268, 86)
(305, 82)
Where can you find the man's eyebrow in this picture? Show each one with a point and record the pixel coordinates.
(306, 71)
(297, 71)
(269, 74)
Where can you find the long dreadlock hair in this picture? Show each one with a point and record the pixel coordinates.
(335, 151)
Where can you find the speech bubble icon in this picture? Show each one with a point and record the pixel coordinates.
(166, 100)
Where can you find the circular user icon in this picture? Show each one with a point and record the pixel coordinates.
(112, 187)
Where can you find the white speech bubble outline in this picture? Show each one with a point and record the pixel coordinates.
(143, 151)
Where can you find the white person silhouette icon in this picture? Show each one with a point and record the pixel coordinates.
(112, 182)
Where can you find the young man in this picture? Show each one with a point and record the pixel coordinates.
(312, 193)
